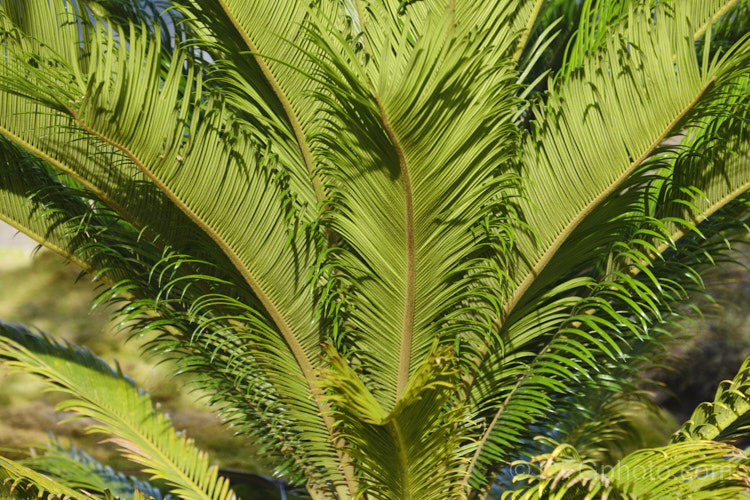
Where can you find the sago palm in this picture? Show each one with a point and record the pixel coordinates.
(419, 249)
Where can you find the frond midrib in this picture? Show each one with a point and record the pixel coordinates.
(526, 33)
(720, 12)
(410, 284)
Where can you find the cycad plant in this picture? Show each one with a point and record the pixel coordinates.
(419, 249)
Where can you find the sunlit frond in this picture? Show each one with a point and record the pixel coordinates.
(121, 410)
(693, 470)
(77, 470)
(414, 212)
(399, 450)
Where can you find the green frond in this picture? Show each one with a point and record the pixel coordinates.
(160, 294)
(61, 217)
(552, 360)
(726, 417)
(120, 409)
(161, 152)
(694, 470)
(20, 178)
(414, 218)
(602, 116)
(77, 470)
(168, 134)
(399, 450)
(23, 482)
(272, 36)
(45, 132)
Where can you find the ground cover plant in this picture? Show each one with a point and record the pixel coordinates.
(419, 249)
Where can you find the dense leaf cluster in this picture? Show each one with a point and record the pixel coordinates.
(408, 245)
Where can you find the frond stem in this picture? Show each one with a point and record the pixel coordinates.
(723, 10)
(527, 29)
(403, 460)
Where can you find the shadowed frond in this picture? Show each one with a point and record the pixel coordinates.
(615, 326)
(159, 294)
(168, 134)
(602, 115)
(270, 36)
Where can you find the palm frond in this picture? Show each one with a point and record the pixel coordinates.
(591, 121)
(274, 259)
(616, 325)
(399, 450)
(121, 410)
(273, 81)
(693, 470)
(600, 228)
(77, 470)
(155, 293)
(23, 482)
(726, 417)
(47, 133)
(412, 243)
